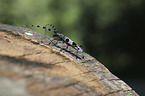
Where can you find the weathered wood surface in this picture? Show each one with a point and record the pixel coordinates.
(30, 67)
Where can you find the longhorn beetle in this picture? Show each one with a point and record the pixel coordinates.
(63, 38)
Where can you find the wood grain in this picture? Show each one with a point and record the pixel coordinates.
(31, 67)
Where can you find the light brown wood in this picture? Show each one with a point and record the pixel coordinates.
(33, 68)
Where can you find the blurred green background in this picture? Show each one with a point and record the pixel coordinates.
(112, 31)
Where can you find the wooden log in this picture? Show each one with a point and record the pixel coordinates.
(31, 67)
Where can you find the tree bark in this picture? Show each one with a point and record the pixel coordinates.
(30, 66)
